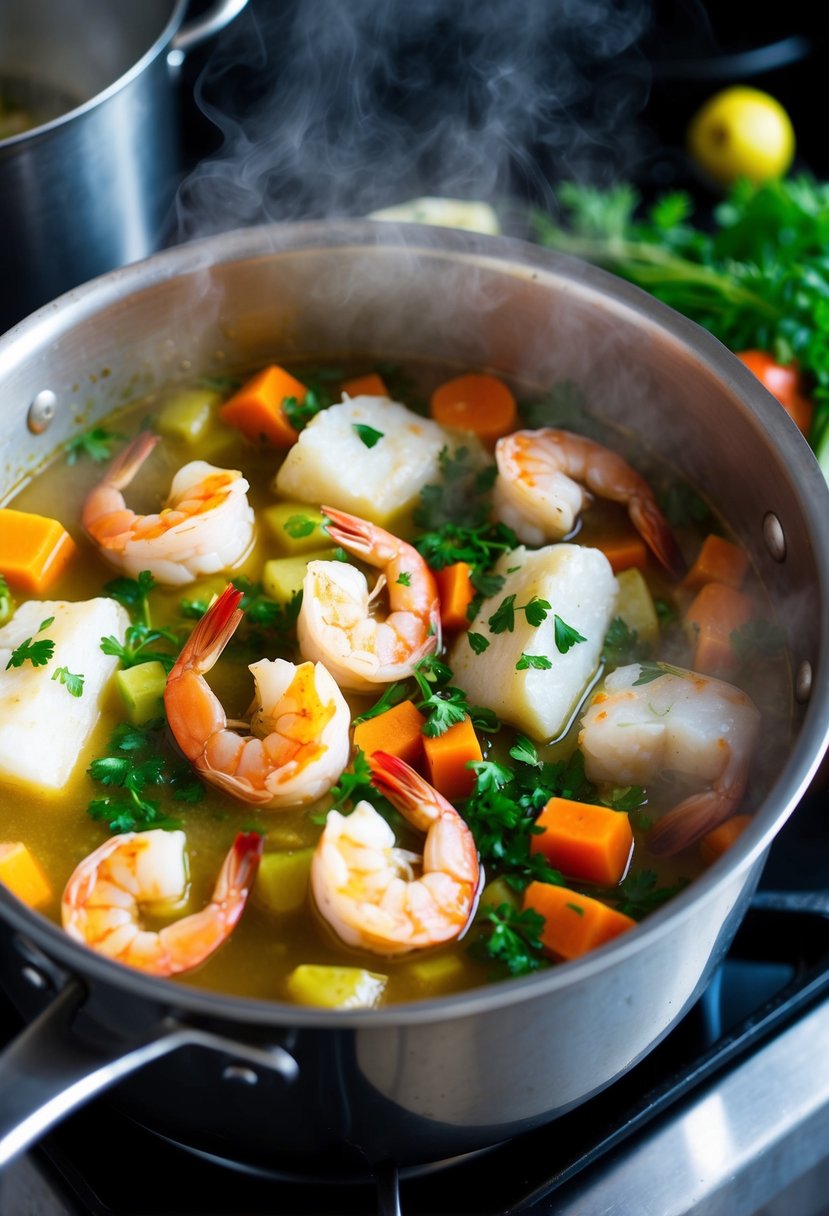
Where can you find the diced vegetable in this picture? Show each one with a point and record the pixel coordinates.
(579, 590)
(584, 841)
(336, 987)
(715, 613)
(447, 757)
(573, 924)
(332, 464)
(282, 880)
(624, 550)
(187, 413)
(282, 576)
(456, 594)
(295, 527)
(142, 690)
(44, 728)
(636, 607)
(436, 971)
(23, 874)
(497, 893)
(34, 550)
(718, 561)
(475, 402)
(257, 408)
(783, 381)
(720, 839)
(398, 731)
(371, 385)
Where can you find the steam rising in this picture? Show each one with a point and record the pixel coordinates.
(332, 108)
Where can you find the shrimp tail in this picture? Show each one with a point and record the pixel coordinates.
(126, 464)
(655, 530)
(688, 821)
(349, 531)
(405, 789)
(213, 632)
(238, 872)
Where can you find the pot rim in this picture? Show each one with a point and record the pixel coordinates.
(163, 39)
(47, 324)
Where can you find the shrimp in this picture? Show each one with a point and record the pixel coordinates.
(206, 525)
(547, 477)
(299, 720)
(679, 721)
(335, 624)
(367, 889)
(103, 899)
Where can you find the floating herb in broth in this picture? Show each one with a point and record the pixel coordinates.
(132, 775)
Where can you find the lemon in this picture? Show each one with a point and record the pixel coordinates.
(742, 133)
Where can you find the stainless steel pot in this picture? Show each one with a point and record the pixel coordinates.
(91, 187)
(284, 1088)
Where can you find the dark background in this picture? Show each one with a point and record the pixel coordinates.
(313, 108)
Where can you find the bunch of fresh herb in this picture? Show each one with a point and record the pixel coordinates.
(136, 759)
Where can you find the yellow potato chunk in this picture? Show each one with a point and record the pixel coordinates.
(336, 987)
(635, 605)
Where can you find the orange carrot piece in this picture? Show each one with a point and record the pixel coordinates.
(476, 402)
(719, 839)
(584, 841)
(717, 610)
(257, 408)
(718, 561)
(34, 550)
(456, 593)
(447, 756)
(623, 551)
(372, 385)
(573, 923)
(398, 730)
(23, 875)
(785, 382)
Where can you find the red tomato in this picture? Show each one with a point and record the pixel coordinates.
(784, 382)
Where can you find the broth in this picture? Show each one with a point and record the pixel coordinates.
(266, 946)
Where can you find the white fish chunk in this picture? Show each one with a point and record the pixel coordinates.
(330, 463)
(580, 586)
(42, 727)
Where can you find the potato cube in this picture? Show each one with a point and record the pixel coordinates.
(43, 728)
(142, 691)
(283, 576)
(580, 587)
(282, 880)
(635, 606)
(336, 987)
(294, 527)
(331, 464)
(187, 413)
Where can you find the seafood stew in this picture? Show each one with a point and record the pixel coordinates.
(507, 679)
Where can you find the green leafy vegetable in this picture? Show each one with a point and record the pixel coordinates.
(137, 759)
(477, 641)
(510, 938)
(38, 653)
(539, 662)
(566, 636)
(367, 434)
(73, 683)
(96, 443)
(391, 696)
(298, 526)
(640, 893)
(133, 594)
(300, 413)
(622, 646)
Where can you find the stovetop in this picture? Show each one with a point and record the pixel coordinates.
(729, 1111)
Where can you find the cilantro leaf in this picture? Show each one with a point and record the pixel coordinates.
(566, 636)
(367, 434)
(477, 641)
(38, 653)
(503, 618)
(539, 662)
(536, 611)
(72, 682)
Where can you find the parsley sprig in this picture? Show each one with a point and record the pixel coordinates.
(96, 443)
(510, 937)
(136, 759)
(444, 704)
(37, 652)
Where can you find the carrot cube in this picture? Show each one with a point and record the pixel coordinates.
(573, 924)
(257, 408)
(719, 839)
(398, 731)
(718, 561)
(624, 551)
(476, 402)
(717, 610)
(456, 593)
(34, 550)
(447, 756)
(584, 841)
(22, 873)
(371, 385)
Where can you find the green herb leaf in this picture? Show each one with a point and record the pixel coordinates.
(404, 579)
(477, 641)
(367, 434)
(297, 526)
(524, 751)
(510, 938)
(621, 645)
(503, 618)
(72, 683)
(38, 653)
(566, 636)
(539, 662)
(391, 696)
(96, 443)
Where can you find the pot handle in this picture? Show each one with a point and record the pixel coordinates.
(203, 27)
(47, 1072)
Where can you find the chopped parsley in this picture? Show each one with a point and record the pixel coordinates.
(391, 696)
(38, 653)
(477, 641)
(443, 704)
(367, 434)
(136, 760)
(72, 683)
(565, 635)
(96, 443)
(538, 662)
(297, 526)
(621, 645)
(299, 413)
(404, 579)
(640, 893)
(503, 618)
(511, 938)
(133, 594)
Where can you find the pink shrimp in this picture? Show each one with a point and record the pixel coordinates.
(385, 899)
(206, 525)
(104, 897)
(299, 720)
(546, 478)
(335, 623)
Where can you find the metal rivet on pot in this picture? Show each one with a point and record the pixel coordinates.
(42, 411)
(774, 537)
(238, 1072)
(803, 681)
(35, 978)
